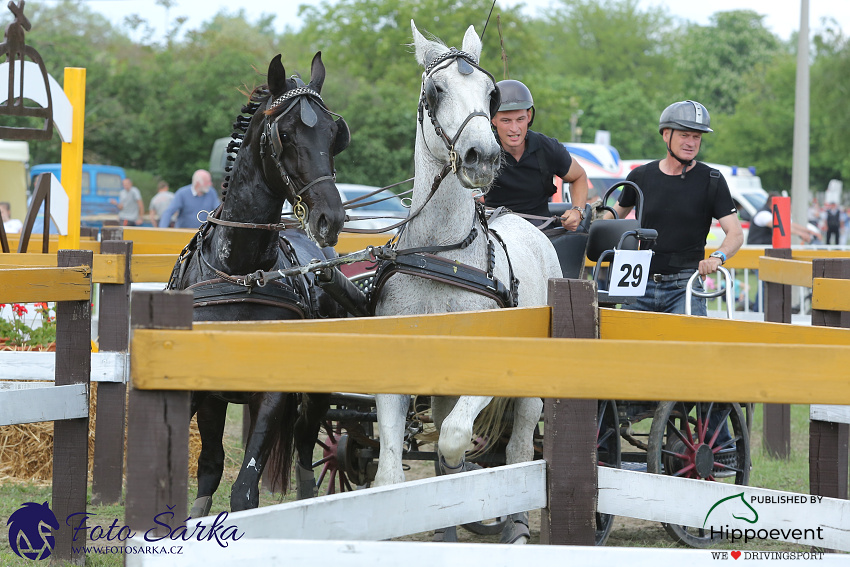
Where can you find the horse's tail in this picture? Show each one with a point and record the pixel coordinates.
(491, 423)
(279, 445)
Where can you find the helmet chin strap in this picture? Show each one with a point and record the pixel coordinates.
(685, 163)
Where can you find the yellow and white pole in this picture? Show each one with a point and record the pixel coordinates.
(72, 156)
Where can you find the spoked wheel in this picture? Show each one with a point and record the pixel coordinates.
(340, 471)
(682, 443)
(607, 455)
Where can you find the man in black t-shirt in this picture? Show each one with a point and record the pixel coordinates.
(524, 184)
(680, 197)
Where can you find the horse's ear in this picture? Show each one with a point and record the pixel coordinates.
(276, 77)
(472, 43)
(317, 72)
(426, 50)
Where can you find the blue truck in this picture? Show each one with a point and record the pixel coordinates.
(100, 183)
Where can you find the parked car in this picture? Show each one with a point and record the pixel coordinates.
(392, 210)
(387, 212)
(100, 183)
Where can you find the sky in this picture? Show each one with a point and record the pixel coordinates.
(782, 16)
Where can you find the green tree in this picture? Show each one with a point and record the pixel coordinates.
(714, 63)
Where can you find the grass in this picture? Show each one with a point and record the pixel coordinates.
(788, 475)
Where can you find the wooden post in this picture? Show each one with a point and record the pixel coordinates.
(828, 442)
(113, 336)
(70, 436)
(569, 430)
(776, 438)
(158, 426)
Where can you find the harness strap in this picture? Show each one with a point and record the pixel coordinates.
(220, 292)
(445, 271)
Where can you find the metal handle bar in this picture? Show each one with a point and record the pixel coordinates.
(638, 200)
(728, 290)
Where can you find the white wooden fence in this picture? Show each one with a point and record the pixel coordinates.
(28, 393)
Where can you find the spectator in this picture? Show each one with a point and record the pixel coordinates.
(160, 202)
(131, 209)
(831, 220)
(10, 225)
(191, 201)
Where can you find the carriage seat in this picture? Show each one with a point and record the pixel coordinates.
(570, 246)
(605, 234)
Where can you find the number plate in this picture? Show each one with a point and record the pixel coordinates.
(629, 273)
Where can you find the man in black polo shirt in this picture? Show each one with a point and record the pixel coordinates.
(681, 196)
(525, 183)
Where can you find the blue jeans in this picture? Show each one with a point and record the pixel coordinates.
(669, 297)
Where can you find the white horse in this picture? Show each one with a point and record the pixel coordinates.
(456, 151)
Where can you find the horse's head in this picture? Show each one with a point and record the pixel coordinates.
(459, 98)
(299, 141)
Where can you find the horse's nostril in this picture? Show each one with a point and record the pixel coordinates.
(471, 158)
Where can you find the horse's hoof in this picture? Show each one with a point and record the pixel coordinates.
(446, 535)
(305, 483)
(516, 529)
(201, 507)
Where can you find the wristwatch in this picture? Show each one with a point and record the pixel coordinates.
(719, 254)
(580, 212)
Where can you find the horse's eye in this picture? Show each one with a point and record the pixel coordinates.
(284, 137)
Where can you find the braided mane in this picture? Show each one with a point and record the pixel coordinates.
(257, 97)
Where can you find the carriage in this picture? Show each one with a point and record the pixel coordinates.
(672, 438)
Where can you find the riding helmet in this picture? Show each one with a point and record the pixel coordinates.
(685, 115)
(515, 96)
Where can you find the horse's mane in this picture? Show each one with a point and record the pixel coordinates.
(255, 98)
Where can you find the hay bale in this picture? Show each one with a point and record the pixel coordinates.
(26, 451)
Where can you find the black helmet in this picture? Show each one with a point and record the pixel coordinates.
(515, 96)
(685, 115)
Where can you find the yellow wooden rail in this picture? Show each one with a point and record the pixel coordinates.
(148, 240)
(106, 268)
(783, 271)
(621, 324)
(528, 322)
(86, 243)
(30, 285)
(431, 365)
(831, 294)
(151, 267)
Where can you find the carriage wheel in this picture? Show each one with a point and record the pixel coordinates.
(680, 444)
(607, 455)
(339, 472)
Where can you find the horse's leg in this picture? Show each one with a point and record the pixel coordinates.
(313, 409)
(245, 493)
(456, 431)
(392, 417)
(441, 406)
(212, 412)
(519, 450)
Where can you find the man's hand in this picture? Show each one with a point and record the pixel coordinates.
(709, 266)
(571, 219)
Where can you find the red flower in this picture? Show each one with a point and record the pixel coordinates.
(19, 309)
(41, 305)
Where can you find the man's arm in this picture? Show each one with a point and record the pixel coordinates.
(172, 208)
(731, 244)
(577, 178)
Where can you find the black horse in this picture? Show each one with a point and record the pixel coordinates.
(284, 151)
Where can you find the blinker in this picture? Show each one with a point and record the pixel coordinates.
(308, 115)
